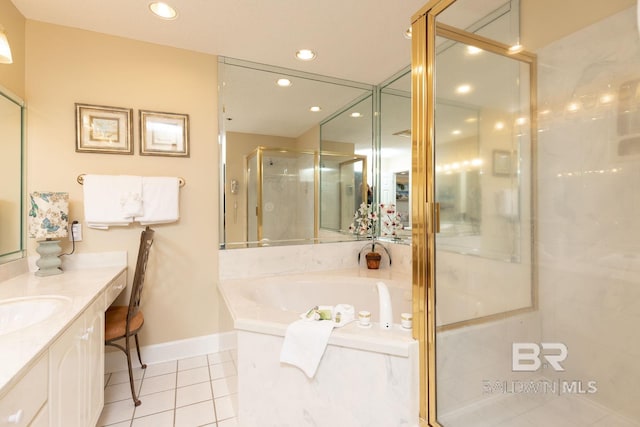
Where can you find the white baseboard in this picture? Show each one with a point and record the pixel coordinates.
(174, 350)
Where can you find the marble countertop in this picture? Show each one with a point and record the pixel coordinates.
(81, 285)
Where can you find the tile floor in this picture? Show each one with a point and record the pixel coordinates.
(535, 410)
(199, 391)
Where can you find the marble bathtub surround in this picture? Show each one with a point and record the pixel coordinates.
(366, 376)
(276, 260)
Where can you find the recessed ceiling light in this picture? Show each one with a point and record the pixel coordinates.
(163, 10)
(315, 109)
(499, 125)
(355, 114)
(305, 54)
(606, 98)
(472, 50)
(573, 107)
(516, 48)
(283, 82)
(465, 88)
(456, 132)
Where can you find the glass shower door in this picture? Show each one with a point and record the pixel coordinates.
(281, 196)
(485, 284)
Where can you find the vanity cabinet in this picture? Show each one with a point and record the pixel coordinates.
(24, 402)
(76, 370)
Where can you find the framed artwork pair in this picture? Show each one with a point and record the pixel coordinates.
(101, 129)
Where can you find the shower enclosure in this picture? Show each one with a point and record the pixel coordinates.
(281, 196)
(526, 253)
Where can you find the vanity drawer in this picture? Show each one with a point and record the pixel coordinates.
(115, 288)
(25, 399)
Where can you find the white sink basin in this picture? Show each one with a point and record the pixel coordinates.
(20, 313)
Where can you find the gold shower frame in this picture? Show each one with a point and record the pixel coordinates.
(425, 210)
(258, 152)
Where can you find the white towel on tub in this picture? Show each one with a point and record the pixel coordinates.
(111, 199)
(160, 196)
(304, 344)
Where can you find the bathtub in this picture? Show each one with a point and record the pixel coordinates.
(367, 376)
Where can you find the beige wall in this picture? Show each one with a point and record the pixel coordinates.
(65, 66)
(12, 75)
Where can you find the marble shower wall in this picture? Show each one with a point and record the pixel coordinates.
(589, 205)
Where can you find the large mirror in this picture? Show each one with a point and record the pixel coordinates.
(11, 176)
(395, 148)
(291, 175)
(271, 124)
(345, 166)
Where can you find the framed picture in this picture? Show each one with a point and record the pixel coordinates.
(104, 129)
(164, 134)
(502, 163)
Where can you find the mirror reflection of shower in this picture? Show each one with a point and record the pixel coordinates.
(280, 196)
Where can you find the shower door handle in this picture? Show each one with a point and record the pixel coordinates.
(433, 217)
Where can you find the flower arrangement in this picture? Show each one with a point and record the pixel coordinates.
(365, 221)
(391, 220)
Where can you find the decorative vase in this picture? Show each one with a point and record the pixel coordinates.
(373, 260)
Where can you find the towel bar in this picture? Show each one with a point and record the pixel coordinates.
(80, 180)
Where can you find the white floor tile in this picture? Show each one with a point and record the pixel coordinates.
(222, 370)
(122, 424)
(116, 412)
(123, 376)
(161, 419)
(221, 357)
(226, 407)
(225, 386)
(195, 415)
(192, 362)
(154, 403)
(161, 369)
(122, 391)
(193, 394)
(157, 384)
(193, 376)
(618, 421)
(231, 422)
(577, 409)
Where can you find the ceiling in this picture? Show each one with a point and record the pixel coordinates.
(353, 42)
(350, 37)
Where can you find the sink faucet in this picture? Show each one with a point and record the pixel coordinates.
(386, 312)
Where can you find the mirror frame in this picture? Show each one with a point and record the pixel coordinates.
(21, 251)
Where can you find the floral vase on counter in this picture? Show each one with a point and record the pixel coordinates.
(365, 222)
(373, 260)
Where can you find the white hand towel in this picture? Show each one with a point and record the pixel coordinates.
(159, 200)
(304, 344)
(131, 203)
(106, 199)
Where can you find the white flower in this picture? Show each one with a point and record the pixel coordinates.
(391, 220)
